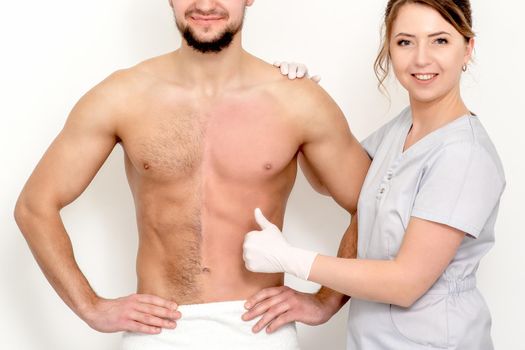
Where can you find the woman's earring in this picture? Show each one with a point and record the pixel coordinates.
(464, 68)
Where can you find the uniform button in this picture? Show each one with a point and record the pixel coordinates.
(381, 190)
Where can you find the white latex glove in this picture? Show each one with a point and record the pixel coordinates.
(268, 251)
(295, 70)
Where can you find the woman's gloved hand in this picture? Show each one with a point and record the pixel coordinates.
(295, 70)
(268, 251)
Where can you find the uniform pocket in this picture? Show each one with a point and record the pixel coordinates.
(425, 322)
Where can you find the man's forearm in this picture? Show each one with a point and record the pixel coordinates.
(52, 249)
(347, 249)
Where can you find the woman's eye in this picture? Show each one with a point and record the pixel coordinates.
(403, 42)
(441, 41)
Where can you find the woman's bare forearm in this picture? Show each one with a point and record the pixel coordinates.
(375, 280)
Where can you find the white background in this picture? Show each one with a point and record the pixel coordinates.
(53, 51)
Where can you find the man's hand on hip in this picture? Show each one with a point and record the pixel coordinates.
(138, 313)
(281, 305)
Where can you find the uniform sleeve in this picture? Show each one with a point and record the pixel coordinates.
(460, 188)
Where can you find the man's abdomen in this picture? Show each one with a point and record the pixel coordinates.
(190, 250)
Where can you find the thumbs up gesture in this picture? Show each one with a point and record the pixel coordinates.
(268, 251)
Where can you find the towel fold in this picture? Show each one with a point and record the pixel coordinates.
(216, 326)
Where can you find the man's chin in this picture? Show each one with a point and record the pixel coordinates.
(208, 45)
(208, 48)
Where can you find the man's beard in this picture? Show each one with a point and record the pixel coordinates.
(222, 41)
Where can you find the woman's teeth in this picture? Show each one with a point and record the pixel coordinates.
(424, 76)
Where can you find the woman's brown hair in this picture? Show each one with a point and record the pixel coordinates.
(456, 12)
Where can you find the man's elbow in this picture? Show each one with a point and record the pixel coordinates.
(351, 207)
(28, 210)
(22, 212)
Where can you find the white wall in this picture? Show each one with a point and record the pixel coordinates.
(55, 50)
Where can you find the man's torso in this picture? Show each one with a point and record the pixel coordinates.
(198, 166)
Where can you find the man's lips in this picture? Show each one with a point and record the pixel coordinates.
(198, 18)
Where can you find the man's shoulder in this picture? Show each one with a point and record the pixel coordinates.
(146, 72)
(127, 83)
(297, 94)
(306, 98)
(307, 104)
(263, 74)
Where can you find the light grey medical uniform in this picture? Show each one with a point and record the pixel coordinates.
(452, 176)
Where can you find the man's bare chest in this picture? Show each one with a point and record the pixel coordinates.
(236, 140)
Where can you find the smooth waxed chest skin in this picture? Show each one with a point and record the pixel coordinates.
(197, 168)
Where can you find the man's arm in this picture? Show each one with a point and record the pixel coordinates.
(63, 173)
(330, 150)
(337, 162)
(310, 175)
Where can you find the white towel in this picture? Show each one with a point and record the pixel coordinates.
(215, 326)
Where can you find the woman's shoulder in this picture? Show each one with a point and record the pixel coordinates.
(467, 141)
(469, 130)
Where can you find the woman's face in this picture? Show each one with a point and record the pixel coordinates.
(427, 53)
